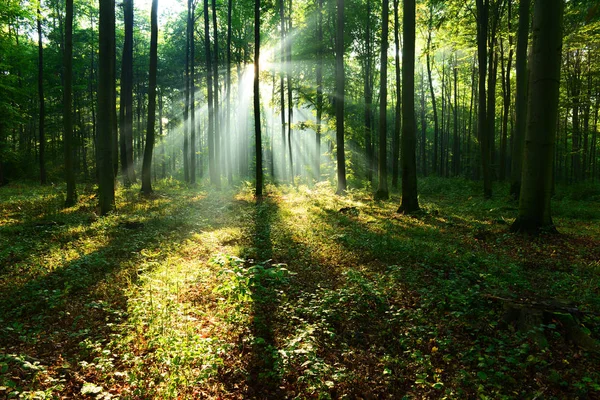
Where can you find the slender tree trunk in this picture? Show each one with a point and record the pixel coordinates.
(319, 73)
(257, 133)
(149, 148)
(126, 107)
(217, 114)
(192, 76)
(106, 182)
(209, 86)
(482, 125)
(228, 147)
(506, 92)
(432, 93)
(282, 90)
(289, 93)
(71, 198)
(42, 122)
(339, 98)
(398, 120)
(382, 189)
(520, 99)
(368, 87)
(423, 126)
(455, 140)
(410, 202)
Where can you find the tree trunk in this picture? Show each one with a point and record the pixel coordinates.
(368, 87)
(339, 98)
(482, 126)
(68, 107)
(228, 105)
(382, 189)
(282, 90)
(42, 123)
(435, 116)
(398, 120)
(257, 133)
(106, 183)
(126, 107)
(410, 202)
(319, 73)
(192, 75)
(520, 100)
(536, 189)
(148, 149)
(289, 93)
(209, 88)
(217, 138)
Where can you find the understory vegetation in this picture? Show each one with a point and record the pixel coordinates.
(191, 293)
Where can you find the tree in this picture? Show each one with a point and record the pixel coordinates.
(257, 133)
(482, 125)
(319, 79)
(382, 189)
(68, 104)
(42, 112)
(211, 111)
(398, 119)
(339, 98)
(106, 183)
(536, 187)
(126, 106)
(147, 163)
(192, 90)
(410, 203)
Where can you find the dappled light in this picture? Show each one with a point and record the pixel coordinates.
(299, 199)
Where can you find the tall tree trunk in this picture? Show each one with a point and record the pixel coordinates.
(536, 189)
(339, 98)
(186, 103)
(423, 126)
(455, 139)
(520, 100)
(228, 147)
(506, 96)
(398, 119)
(106, 182)
(482, 125)
(71, 198)
(126, 107)
(209, 86)
(149, 148)
(217, 115)
(282, 90)
(410, 202)
(382, 189)
(368, 84)
(257, 133)
(432, 93)
(319, 73)
(192, 75)
(42, 122)
(289, 93)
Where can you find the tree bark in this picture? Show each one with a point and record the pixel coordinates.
(217, 131)
(192, 75)
(520, 100)
(126, 107)
(149, 148)
(339, 98)
(398, 120)
(482, 125)
(410, 202)
(319, 73)
(68, 106)
(536, 189)
(106, 183)
(257, 133)
(382, 189)
(42, 115)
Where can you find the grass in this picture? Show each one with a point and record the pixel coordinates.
(199, 294)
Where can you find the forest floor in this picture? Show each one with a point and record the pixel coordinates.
(194, 293)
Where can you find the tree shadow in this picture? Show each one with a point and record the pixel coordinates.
(48, 316)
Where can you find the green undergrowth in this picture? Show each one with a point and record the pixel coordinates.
(192, 293)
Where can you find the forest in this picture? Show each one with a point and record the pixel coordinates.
(297, 199)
